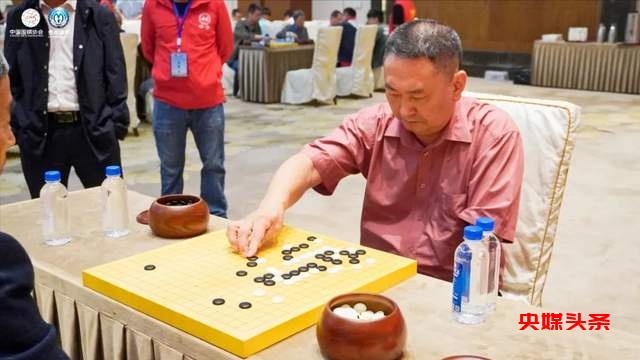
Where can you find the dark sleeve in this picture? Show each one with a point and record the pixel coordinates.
(241, 33)
(23, 334)
(305, 34)
(115, 71)
(282, 33)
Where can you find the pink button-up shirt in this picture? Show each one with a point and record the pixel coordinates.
(418, 198)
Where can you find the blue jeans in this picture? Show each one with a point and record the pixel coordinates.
(170, 126)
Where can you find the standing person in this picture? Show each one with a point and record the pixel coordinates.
(69, 87)
(24, 334)
(245, 31)
(348, 39)
(187, 41)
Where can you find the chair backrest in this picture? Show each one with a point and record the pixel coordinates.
(361, 61)
(313, 26)
(129, 43)
(325, 56)
(548, 130)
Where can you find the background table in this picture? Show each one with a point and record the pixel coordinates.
(587, 66)
(92, 326)
(262, 70)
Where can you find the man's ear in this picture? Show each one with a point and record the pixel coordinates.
(459, 82)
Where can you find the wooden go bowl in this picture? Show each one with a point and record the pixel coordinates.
(178, 216)
(346, 339)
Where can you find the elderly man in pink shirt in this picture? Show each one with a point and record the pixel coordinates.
(434, 161)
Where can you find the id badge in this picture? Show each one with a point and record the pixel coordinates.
(178, 64)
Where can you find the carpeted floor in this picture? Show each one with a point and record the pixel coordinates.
(593, 268)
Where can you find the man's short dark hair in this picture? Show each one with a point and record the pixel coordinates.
(426, 39)
(296, 14)
(376, 13)
(234, 12)
(336, 13)
(288, 13)
(350, 11)
(253, 8)
(265, 10)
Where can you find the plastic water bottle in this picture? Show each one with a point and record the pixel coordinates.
(55, 220)
(469, 278)
(115, 211)
(492, 244)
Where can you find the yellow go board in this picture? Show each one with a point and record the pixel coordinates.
(245, 305)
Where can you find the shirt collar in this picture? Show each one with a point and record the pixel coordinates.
(456, 130)
(70, 5)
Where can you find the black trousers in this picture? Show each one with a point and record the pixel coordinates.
(66, 146)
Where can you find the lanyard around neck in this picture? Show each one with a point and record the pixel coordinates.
(180, 19)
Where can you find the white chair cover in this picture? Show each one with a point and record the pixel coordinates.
(378, 78)
(129, 43)
(357, 79)
(227, 79)
(548, 130)
(313, 26)
(319, 82)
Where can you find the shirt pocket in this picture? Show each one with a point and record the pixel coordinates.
(446, 216)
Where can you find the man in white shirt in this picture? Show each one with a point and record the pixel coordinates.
(68, 81)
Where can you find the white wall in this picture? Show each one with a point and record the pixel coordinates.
(322, 8)
(232, 4)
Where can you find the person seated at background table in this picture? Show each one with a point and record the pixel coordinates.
(348, 39)
(376, 17)
(236, 16)
(245, 31)
(265, 22)
(297, 28)
(287, 16)
(434, 161)
(130, 9)
(336, 18)
(24, 334)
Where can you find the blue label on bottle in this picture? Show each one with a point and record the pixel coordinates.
(461, 275)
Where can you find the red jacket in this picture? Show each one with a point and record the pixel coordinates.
(207, 40)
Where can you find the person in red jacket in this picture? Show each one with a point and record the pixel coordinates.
(187, 41)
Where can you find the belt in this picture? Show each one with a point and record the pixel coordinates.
(64, 117)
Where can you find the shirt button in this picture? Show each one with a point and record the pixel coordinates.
(45, 89)
(80, 46)
(45, 67)
(46, 44)
(75, 68)
(45, 112)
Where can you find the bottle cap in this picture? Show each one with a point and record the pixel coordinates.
(486, 223)
(113, 170)
(472, 232)
(52, 175)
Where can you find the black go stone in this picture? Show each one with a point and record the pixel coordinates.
(353, 256)
(218, 301)
(286, 276)
(241, 273)
(295, 248)
(258, 279)
(245, 305)
(303, 246)
(312, 265)
(287, 257)
(252, 264)
(149, 267)
(303, 269)
(336, 262)
(252, 258)
(311, 238)
(329, 252)
(294, 272)
(360, 252)
(286, 252)
(328, 259)
(354, 261)
(269, 282)
(319, 256)
(322, 268)
(268, 276)
(344, 252)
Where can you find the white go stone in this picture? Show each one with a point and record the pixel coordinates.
(366, 315)
(261, 261)
(314, 271)
(346, 312)
(305, 275)
(277, 299)
(360, 308)
(371, 261)
(378, 315)
(287, 247)
(259, 292)
(288, 282)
